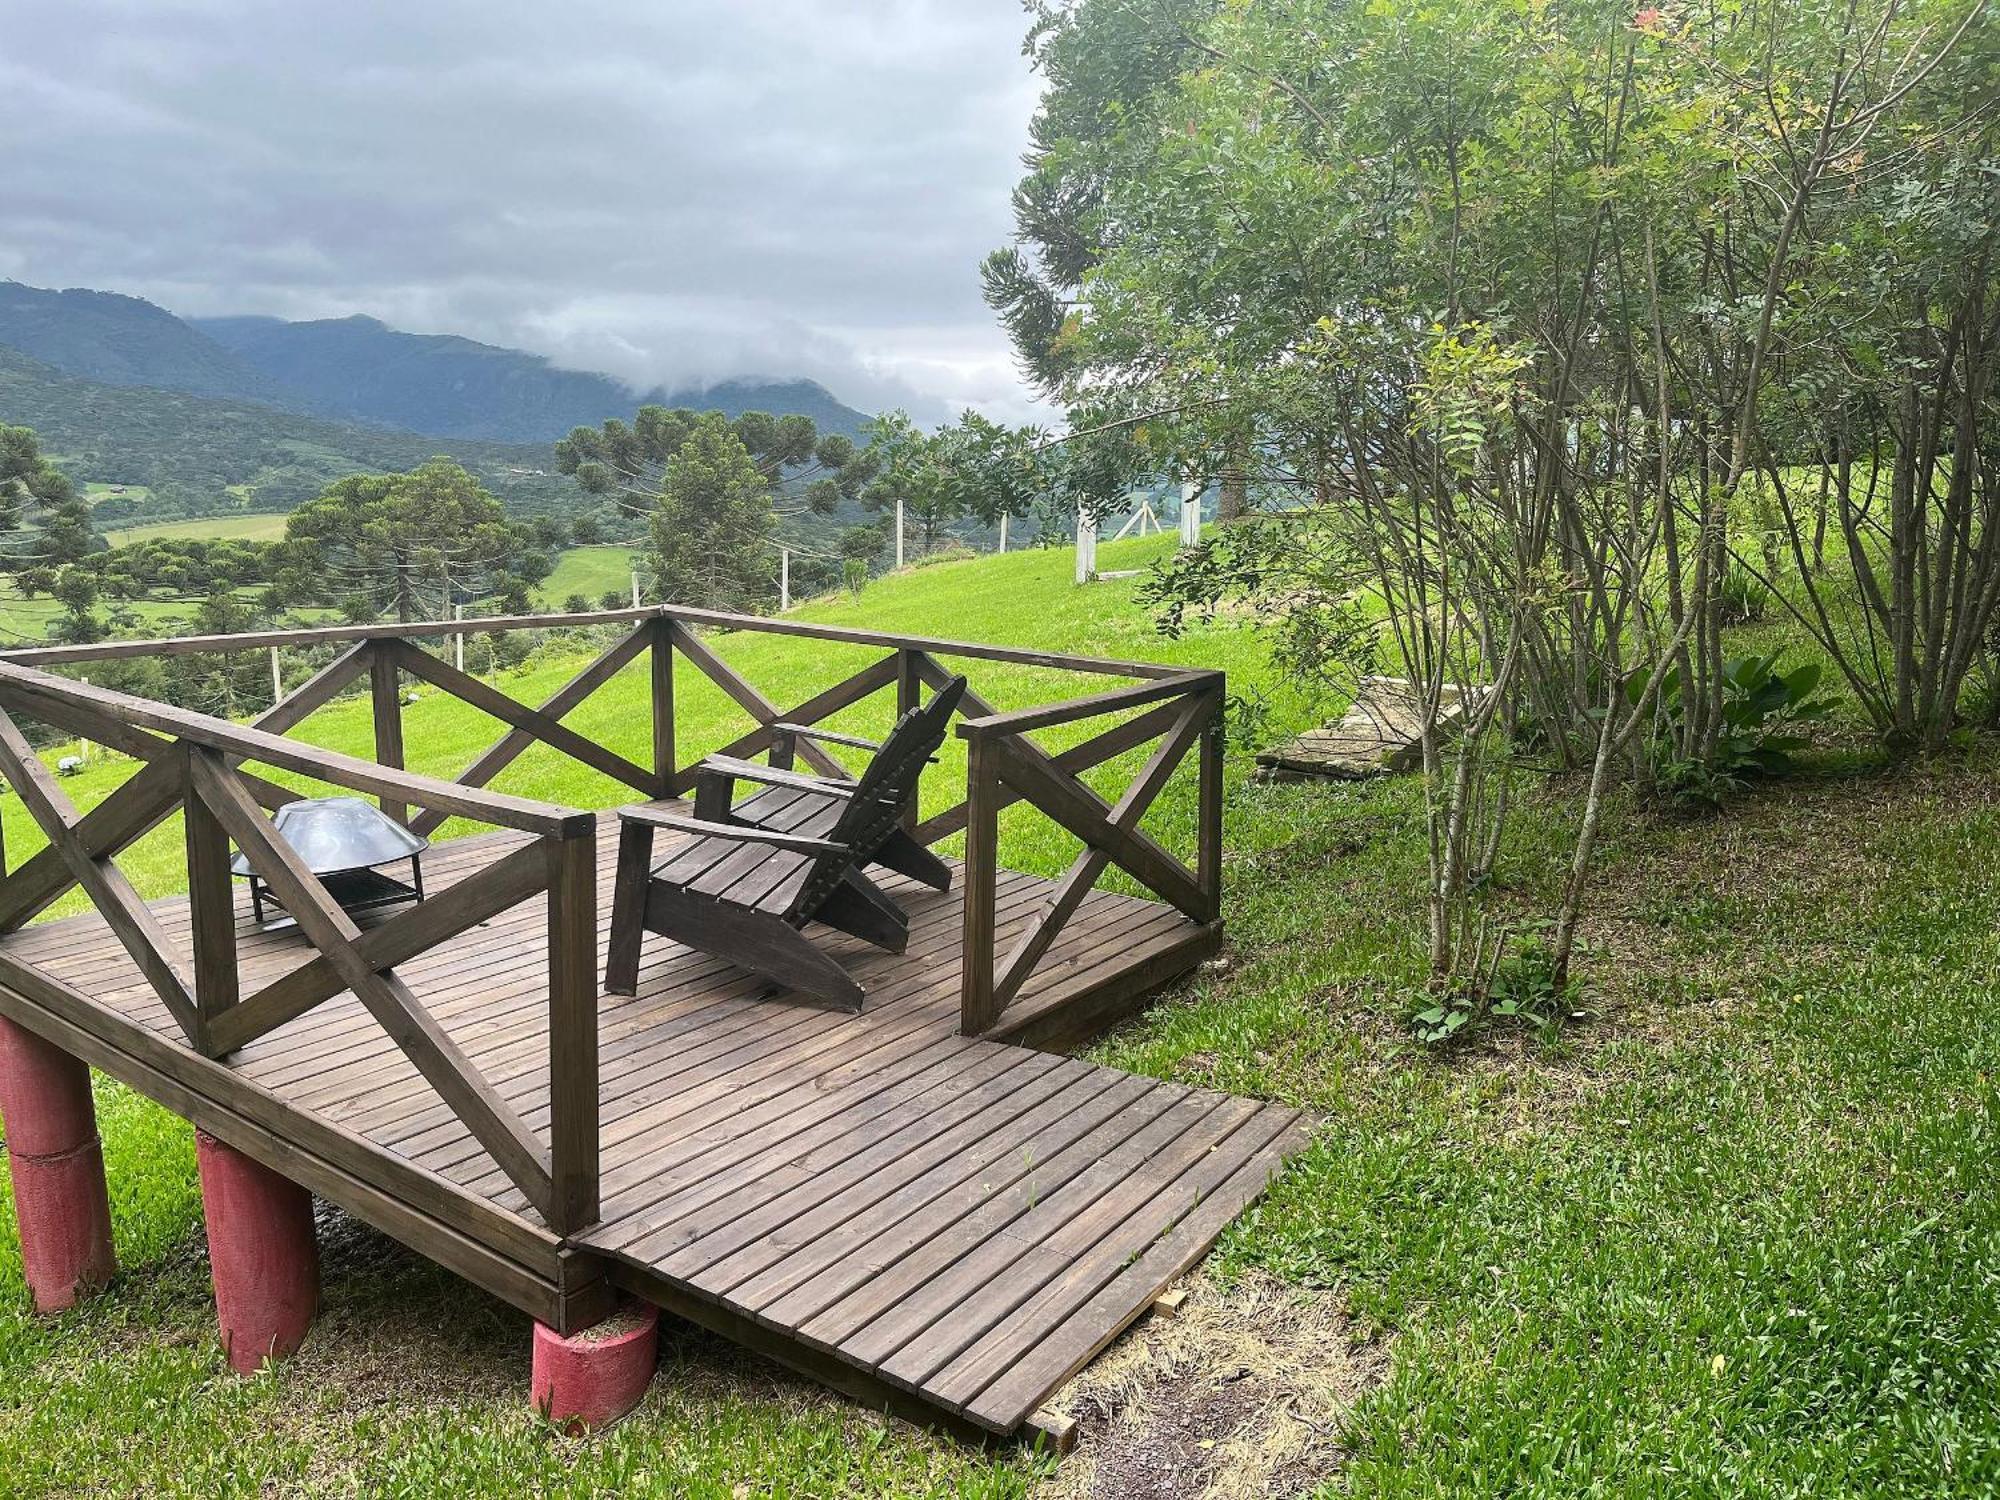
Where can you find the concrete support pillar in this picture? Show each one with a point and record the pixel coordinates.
(57, 1164)
(262, 1254)
(592, 1378)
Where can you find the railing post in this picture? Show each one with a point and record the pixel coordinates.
(1208, 825)
(211, 903)
(909, 695)
(386, 692)
(573, 1125)
(981, 885)
(660, 655)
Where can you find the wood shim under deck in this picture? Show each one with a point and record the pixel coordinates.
(950, 1224)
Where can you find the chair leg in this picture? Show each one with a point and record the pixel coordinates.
(758, 941)
(858, 906)
(906, 856)
(628, 908)
(811, 972)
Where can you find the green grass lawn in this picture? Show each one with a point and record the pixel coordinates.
(1733, 1232)
(591, 572)
(95, 490)
(25, 622)
(259, 528)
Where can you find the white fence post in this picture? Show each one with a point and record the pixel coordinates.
(1003, 531)
(458, 638)
(1086, 546)
(277, 677)
(784, 578)
(1190, 513)
(899, 531)
(635, 588)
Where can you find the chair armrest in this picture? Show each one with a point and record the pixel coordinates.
(811, 732)
(749, 770)
(742, 833)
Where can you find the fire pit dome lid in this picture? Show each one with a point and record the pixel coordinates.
(339, 833)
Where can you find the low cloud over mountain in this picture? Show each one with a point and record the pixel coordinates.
(671, 195)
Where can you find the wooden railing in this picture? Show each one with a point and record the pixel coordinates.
(195, 764)
(1003, 766)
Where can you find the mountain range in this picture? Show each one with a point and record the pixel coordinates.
(359, 369)
(162, 453)
(205, 414)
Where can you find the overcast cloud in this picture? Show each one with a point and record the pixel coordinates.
(665, 190)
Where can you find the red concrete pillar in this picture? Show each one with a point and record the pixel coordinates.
(57, 1164)
(592, 1378)
(261, 1254)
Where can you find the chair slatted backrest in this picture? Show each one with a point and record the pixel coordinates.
(883, 790)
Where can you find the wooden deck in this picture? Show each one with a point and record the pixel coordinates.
(948, 1223)
(910, 1204)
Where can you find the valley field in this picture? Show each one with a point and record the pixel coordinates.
(257, 528)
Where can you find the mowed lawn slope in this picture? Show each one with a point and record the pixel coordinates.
(590, 571)
(1735, 1231)
(265, 527)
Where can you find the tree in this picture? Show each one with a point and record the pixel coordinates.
(863, 544)
(918, 477)
(1113, 74)
(33, 490)
(1110, 69)
(76, 591)
(409, 545)
(803, 471)
(713, 527)
(1529, 313)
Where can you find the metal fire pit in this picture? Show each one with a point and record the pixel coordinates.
(344, 841)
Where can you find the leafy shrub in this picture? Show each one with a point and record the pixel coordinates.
(1762, 710)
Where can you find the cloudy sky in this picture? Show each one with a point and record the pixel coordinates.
(666, 190)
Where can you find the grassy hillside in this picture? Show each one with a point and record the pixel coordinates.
(26, 622)
(260, 528)
(589, 571)
(1733, 1230)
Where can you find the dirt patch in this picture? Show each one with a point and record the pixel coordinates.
(1241, 1395)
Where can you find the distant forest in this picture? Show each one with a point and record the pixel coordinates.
(199, 455)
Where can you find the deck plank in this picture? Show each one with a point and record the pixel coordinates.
(955, 1222)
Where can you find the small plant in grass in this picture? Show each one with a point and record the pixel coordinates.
(1519, 987)
(1742, 597)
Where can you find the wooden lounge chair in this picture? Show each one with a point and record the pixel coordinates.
(750, 878)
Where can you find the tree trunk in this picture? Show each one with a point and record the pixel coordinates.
(1234, 480)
